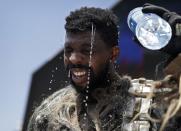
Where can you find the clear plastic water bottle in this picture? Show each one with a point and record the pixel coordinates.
(152, 31)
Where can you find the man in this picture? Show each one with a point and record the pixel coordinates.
(97, 98)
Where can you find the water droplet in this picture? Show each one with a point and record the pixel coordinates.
(90, 58)
(52, 75)
(51, 81)
(107, 23)
(69, 74)
(110, 116)
(49, 89)
(56, 68)
(88, 78)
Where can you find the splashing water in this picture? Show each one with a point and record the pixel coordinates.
(52, 80)
(90, 54)
(93, 30)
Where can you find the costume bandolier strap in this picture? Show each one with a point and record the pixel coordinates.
(141, 88)
(145, 100)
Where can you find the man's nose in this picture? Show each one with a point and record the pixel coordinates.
(76, 58)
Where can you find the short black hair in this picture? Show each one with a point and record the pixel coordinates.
(105, 21)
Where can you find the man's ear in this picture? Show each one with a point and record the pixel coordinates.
(115, 53)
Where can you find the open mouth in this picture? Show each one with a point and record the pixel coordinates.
(79, 76)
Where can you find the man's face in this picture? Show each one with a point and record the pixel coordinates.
(77, 57)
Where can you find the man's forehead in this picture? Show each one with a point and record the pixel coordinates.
(77, 41)
(83, 38)
(71, 33)
(71, 37)
(85, 44)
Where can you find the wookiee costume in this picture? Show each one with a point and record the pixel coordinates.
(112, 108)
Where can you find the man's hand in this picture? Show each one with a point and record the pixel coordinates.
(168, 83)
(174, 47)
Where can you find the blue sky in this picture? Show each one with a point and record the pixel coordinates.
(31, 33)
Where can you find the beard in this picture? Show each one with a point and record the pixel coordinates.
(96, 80)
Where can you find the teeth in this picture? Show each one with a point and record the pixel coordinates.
(79, 73)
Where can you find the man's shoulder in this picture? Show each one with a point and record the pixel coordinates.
(64, 94)
(67, 90)
(52, 106)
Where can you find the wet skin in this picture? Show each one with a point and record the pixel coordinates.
(77, 52)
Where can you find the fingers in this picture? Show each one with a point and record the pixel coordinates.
(153, 10)
(150, 8)
(171, 96)
(158, 84)
(168, 82)
(173, 19)
(147, 4)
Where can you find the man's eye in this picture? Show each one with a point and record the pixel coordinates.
(68, 50)
(86, 52)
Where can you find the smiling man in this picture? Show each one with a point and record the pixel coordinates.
(97, 97)
(83, 61)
